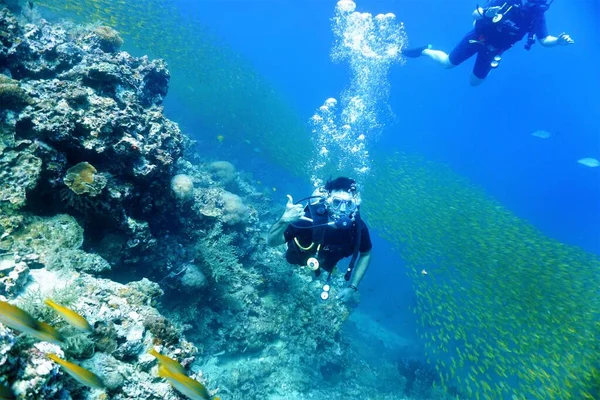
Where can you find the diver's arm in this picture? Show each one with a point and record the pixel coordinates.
(293, 212)
(551, 41)
(361, 267)
(275, 236)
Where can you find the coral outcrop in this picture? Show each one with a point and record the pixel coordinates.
(115, 351)
(95, 188)
(83, 129)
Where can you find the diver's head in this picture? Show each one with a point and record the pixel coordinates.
(342, 201)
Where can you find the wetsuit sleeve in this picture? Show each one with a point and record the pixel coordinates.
(539, 27)
(365, 239)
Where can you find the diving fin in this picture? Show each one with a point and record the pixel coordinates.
(415, 52)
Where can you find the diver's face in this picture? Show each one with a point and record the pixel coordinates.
(341, 202)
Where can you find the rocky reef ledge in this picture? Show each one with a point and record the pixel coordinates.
(107, 208)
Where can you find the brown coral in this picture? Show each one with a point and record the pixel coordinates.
(109, 38)
(83, 178)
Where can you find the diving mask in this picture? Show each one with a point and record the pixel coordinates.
(342, 203)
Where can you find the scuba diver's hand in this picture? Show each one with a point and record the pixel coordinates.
(293, 212)
(345, 294)
(565, 39)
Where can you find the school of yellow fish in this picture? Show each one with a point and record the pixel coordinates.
(505, 312)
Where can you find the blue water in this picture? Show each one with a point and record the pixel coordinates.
(483, 133)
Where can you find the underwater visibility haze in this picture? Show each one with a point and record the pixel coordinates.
(147, 152)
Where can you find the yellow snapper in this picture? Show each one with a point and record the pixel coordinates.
(167, 362)
(16, 318)
(20, 320)
(70, 316)
(80, 374)
(189, 387)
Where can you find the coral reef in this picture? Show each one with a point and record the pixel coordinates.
(88, 108)
(19, 173)
(223, 172)
(234, 210)
(95, 188)
(83, 179)
(115, 349)
(12, 97)
(182, 186)
(110, 40)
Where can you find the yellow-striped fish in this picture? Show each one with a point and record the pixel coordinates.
(167, 362)
(13, 317)
(80, 374)
(189, 387)
(70, 316)
(16, 318)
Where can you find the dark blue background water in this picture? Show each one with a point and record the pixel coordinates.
(484, 133)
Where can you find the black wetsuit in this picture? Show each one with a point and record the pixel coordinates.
(489, 39)
(338, 243)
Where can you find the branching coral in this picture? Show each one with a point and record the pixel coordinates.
(219, 255)
(32, 301)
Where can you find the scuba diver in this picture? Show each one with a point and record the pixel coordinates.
(326, 230)
(497, 27)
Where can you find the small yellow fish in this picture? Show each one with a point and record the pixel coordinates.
(220, 138)
(16, 318)
(167, 362)
(70, 316)
(187, 386)
(80, 374)
(274, 189)
(20, 320)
